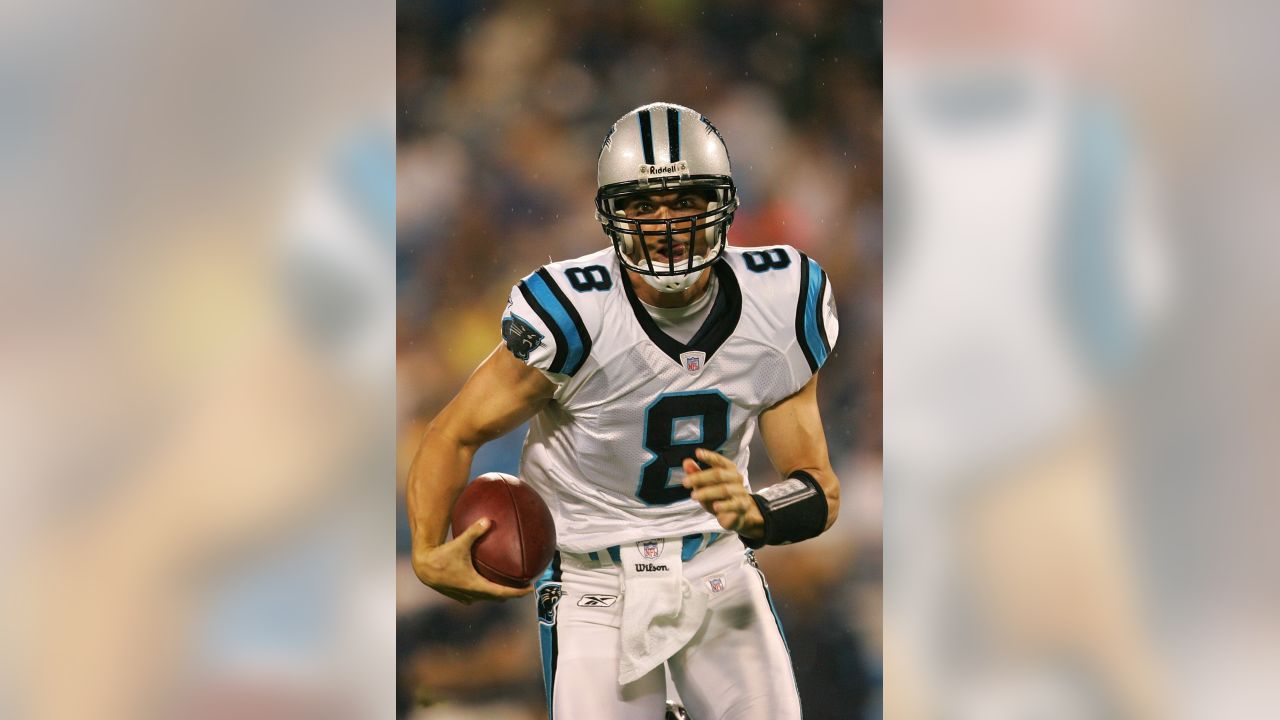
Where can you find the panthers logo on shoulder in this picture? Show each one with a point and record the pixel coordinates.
(520, 336)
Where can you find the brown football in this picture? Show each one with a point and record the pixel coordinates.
(522, 536)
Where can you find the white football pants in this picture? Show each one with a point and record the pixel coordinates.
(736, 667)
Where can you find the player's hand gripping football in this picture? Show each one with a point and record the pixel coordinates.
(721, 492)
(448, 569)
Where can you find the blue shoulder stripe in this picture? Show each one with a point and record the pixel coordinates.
(820, 333)
(810, 327)
(573, 344)
(557, 362)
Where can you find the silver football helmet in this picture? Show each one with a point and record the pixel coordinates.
(662, 148)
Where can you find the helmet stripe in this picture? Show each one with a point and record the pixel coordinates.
(646, 135)
(673, 133)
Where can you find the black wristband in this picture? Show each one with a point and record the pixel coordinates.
(793, 510)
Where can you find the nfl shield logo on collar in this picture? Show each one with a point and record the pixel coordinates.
(651, 549)
(693, 360)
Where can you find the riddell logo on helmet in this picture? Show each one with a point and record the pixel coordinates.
(678, 168)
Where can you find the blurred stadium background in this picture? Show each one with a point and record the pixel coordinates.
(501, 111)
(197, 258)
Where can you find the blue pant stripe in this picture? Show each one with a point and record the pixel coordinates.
(777, 621)
(547, 638)
(547, 641)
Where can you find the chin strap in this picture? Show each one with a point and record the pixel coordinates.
(674, 283)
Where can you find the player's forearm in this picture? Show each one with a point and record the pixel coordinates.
(830, 485)
(831, 489)
(499, 395)
(803, 505)
(436, 478)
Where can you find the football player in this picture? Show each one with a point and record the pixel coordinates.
(646, 368)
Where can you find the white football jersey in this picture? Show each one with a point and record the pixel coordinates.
(631, 403)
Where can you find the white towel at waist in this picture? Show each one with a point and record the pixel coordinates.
(661, 611)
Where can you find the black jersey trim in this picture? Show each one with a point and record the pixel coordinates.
(726, 310)
(573, 343)
(811, 329)
(557, 362)
(575, 361)
(822, 325)
(801, 306)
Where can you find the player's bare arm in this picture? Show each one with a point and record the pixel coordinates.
(502, 393)
(796, 442)
(793, 435)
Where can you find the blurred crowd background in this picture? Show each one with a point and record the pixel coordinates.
(1062, 463)
(198, 355)
(197, 437)
(501, 111)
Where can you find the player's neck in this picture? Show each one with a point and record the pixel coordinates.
(650, 295)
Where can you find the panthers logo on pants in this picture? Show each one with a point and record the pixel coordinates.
(548, 597)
